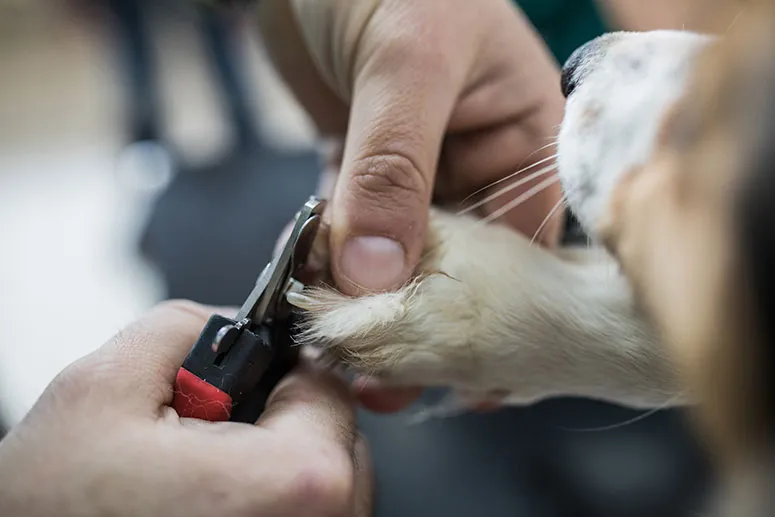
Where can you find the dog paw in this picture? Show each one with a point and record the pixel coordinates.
(479, 315)
(420, 333)
(497, 319)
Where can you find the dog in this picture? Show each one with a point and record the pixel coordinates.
(675, 179)
(666, 158)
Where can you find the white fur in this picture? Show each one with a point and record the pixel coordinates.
(492, 313)
(502, 316)
(626, 83)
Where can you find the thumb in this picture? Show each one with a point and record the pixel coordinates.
(401, 103)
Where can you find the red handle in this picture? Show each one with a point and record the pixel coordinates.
(196, 398)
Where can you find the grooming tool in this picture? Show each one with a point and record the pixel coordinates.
(236, 363)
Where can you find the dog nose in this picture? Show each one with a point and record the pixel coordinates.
(584, 59)
(568, 79)
(571, 76)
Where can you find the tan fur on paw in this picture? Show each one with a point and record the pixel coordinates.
(394, 335)
(487, 311)
(385, 334)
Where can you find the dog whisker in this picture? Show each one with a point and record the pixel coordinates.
(509, 188)
(562, 202)
(667, 404)
(520, 199)
(543, 147)
(513, 174)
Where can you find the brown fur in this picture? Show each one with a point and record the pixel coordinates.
(693, 230)
(675, 226)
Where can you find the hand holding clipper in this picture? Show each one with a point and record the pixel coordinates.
(235, 363)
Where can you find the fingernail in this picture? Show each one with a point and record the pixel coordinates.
(374, 263)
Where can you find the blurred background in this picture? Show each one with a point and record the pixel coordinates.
(148, 150)
(102, 105)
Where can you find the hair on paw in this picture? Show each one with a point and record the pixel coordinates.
(363, 332)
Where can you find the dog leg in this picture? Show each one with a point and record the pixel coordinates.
(488, 312)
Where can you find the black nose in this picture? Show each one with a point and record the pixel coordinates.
(570, 71)
(584, 59)
(567, 81)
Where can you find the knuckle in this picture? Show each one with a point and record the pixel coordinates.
(324, 480)
(69, 379)
(77, 382)
(389, 175)
(178, 317)
(183, 307)
(401, 46)
(168, 320)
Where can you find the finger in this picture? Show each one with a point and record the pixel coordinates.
(403, 95)
(332, 151)
(312, 403)
(364, 479)
(504, 164)
(382, 399)
(282, 37)
(144, 358)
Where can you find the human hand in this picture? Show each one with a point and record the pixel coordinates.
(422, 100)
(440, 98)
(102, 440)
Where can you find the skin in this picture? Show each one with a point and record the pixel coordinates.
(415, 101)
(102, 440)
(443, 95)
